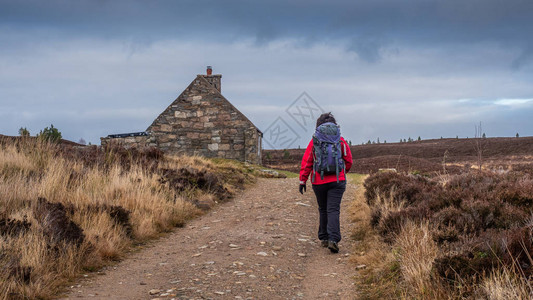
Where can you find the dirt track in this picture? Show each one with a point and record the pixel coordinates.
(261, 245)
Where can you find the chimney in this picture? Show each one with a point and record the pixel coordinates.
(214, 80)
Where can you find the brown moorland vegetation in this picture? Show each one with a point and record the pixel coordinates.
(426, 156)
(66, 209)
(455, 236)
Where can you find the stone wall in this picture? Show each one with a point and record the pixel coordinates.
(201, 122)
(130, 141)
(252, 145)
(215, 81)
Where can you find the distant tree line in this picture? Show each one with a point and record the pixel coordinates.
(410, 140)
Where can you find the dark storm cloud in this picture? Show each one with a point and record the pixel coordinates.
(366, 26)
(386, 68)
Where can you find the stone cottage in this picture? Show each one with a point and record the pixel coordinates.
(200, 122)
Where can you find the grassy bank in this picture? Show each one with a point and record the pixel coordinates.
(447, 237)
(66, 210)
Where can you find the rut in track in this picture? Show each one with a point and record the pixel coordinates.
(260, 245)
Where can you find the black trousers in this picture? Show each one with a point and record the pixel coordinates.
(329, 196)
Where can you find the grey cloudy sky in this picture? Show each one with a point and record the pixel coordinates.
(388, 69)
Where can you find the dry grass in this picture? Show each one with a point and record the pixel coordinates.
(388, 204)
(504, 284)
(113, 206)
(416, 253)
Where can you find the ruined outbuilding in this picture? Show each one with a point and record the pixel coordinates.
(200, 122)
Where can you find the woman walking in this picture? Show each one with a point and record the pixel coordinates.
(327, 159)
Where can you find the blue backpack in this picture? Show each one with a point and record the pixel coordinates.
(327, 151)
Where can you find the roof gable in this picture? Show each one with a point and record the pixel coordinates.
(199, 84)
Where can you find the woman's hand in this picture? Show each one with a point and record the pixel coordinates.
(302, 188)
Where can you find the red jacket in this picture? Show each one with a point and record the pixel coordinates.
(307, 165)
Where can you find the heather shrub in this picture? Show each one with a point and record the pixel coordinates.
(188, 178)
(391, 225)
(518, 192)
(523, 168)
(409, 188)
(479, 220)
(148, 158)
(509, 249)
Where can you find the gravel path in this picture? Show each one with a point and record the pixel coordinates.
(260, 245)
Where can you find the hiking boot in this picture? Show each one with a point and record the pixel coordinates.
(324, 243)
(333, 247)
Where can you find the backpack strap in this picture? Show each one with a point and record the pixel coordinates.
(337, 162)
(314, 163)
(327, 149)
(317, 158)
(313, 174)
(345, 153)
(344, 165)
